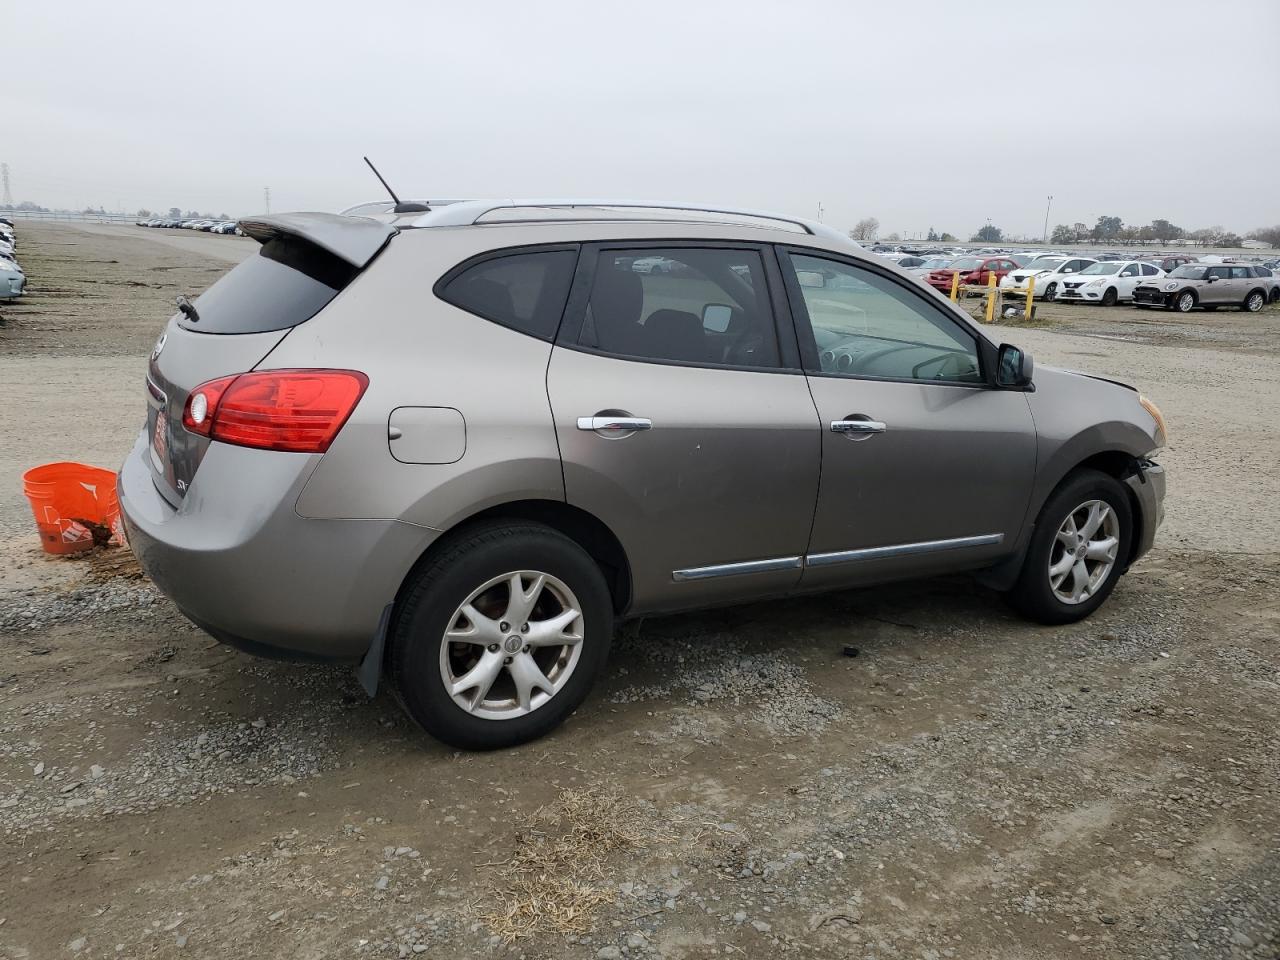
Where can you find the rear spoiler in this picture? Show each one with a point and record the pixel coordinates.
(356, 240)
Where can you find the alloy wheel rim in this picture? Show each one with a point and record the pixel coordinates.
(1255, 302)
(1084, 551)
(512, 645)
(1186, 302)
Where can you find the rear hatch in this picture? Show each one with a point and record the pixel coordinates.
(305, 261)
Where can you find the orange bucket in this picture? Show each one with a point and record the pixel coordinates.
(75, 506)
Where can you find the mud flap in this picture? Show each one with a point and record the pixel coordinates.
(370, 670)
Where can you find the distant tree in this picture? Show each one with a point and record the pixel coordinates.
(1107, 228)
(1127, 234)
(933, 236)
(1166, 231)
(1269, 235)
(1230, 239)
(175, 213)
(1063, 234)
(894, 237)
(143, 212)
(223, 216)
(947, 238)
(1081, 230)
(865, 229)
(989, 234)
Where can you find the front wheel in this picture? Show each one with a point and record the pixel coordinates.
(1077, 551)
(1186, 302)
(500, 636)
(1050, 292)
(1110, 297)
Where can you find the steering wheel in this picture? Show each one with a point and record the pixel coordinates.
(952, 365)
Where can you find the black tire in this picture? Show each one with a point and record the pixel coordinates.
(1275, 296)
(1050, 292)
(1110, 297)
(1032, 595)
(440, 586)
(1184, 302)
(1254, 302)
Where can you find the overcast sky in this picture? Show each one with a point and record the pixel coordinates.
(919, 113)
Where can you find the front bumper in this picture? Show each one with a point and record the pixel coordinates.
(1148, 485)
(1086, 294)
(239, 562)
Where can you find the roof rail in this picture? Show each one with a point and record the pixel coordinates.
(472, 212)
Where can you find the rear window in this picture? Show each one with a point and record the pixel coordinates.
(287, 282)
(523, 291)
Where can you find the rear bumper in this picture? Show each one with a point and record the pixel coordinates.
(1148, 485)
(241, 564)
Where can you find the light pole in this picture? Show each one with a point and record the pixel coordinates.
(1046, 218)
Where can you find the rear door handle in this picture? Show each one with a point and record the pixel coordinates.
(615, 424)
(858, 429)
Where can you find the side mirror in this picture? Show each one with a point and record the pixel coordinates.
(716, 317)
(1014, 367)
(1213, 278)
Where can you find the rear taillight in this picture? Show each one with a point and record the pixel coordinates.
(299, 411)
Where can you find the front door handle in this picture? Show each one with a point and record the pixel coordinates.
(858, 429)
(615, 424)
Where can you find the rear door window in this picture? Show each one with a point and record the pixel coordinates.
(525, 291)
(287, 282)
(705, 306)
(1240, 273)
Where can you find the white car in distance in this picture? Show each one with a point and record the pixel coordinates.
(1108, 282)
(1049, 272)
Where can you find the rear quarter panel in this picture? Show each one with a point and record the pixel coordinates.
(419, 351)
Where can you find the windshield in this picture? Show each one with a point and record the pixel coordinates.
(1101, 269)
(936, 263)
(1189, 272)
(1045, 263)
(966, 263)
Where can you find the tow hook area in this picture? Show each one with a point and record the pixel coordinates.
(369, 672)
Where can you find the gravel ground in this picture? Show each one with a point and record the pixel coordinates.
(965, 786)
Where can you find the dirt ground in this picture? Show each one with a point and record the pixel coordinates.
(966, 786)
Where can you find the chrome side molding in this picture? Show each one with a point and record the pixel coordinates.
(839, 556)
(901, 550)
(733, 569)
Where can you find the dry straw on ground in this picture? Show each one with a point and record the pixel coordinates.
(553, 883)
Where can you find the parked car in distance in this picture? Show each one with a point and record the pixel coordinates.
(1049, 272)
(326, 470)
(12, 280)
(907, 262)
(1108, 282)
(1271, 278)
(1170, 263)
(1207, 285)
(972, 270)
(922, 270)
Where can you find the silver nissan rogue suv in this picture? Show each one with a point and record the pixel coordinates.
(456, 445)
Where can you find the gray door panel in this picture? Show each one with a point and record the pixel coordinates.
(948, 480)
(726, 475)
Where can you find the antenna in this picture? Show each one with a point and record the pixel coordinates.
(400, 206)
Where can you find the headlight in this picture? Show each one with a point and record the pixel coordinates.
(1162, 432)
(1095, 283)
(1171, 286)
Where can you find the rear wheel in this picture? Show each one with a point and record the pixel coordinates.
(1077, 550)
(1186, 302)
(1110, 297)
(501, 636)
(1254, 301)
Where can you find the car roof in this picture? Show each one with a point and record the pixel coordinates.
(481, 212)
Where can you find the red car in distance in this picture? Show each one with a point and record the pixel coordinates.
(972, 270)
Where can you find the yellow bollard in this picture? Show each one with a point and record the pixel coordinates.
(1031, 297)
(955, 285)
(991, 296)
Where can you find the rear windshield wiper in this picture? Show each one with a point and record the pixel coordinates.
(188, 308)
